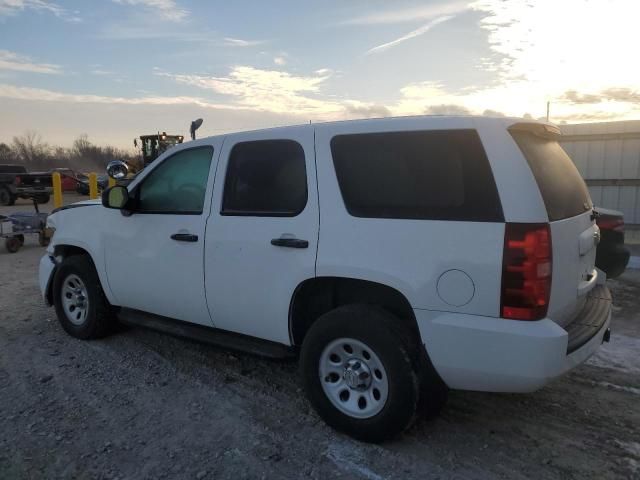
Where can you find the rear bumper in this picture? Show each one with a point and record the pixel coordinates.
(495, 355)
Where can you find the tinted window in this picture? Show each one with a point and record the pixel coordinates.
(178, 184)
(265, 178)
(563, 190)
(441, 175)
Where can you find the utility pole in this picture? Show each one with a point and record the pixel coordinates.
(548, 103)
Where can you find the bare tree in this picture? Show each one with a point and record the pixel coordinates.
(30, 149)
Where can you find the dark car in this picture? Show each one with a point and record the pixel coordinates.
(611, 255)
(83, 183)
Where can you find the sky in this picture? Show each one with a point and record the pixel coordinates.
(116, 69)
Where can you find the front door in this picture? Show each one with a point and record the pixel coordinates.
(263, 230)
(154, 257)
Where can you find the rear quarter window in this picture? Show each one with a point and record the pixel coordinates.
(563, 190)
(438, 175)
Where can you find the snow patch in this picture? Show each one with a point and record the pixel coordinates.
(633, 449)
(347, 458)
(622, 353)
(619, 388)
(634, 262)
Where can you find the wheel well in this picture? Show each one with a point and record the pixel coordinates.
(64, 251)
(69, 250)
(316, 296)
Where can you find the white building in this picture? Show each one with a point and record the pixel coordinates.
(608, 157)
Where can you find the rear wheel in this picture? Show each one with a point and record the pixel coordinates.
(13, 244)
(43, 240)
(6, 197)
(359, 374)
(81, 306)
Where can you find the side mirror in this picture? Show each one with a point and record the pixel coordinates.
(115, 197)
(117, 169)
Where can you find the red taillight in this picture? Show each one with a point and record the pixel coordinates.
(526, 271)
(614, 223)
(17, 180)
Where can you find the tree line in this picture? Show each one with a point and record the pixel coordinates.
(33, 152)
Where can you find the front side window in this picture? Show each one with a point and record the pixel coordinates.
(265, 178)
(438, 175)
(178, 185)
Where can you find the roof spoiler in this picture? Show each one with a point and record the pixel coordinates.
(539, 129)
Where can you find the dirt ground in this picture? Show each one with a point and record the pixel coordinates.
(144, 405)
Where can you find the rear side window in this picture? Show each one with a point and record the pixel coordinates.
(563, 190)
(12, 169)
(438, 175)
(265, 178)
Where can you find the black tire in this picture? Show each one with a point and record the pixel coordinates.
(100, 319)
(43, 198)
(6, 197)
(12, 244)
(379, 330)
(21, 238)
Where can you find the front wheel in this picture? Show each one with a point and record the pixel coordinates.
(80, 303)
(358, 372)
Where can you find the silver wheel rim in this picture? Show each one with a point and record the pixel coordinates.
(75, 300)
(353, 378)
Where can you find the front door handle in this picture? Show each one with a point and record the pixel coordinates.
(290, 242)
(184, 237)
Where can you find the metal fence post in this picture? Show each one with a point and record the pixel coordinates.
(57, 189)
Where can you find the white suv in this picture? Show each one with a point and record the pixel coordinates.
(399, 257)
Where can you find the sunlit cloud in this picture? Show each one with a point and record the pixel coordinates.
(14, 7)
(408, 15)
(266, 90)
(165, 9)
(414, 33)
(20, 63)
(574, 53)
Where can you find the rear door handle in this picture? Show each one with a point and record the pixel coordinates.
(290, 242)
(184, 237)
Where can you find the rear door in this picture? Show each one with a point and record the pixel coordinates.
(262, 234)
(574, 233)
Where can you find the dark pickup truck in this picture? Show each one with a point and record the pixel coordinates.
(16, 182)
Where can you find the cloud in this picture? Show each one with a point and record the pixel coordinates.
(447, 109)
(407, 15)
(44, 95)
(20, 63)
(280, 61)
(14, 7)
(366, 110)
(165, 9)
(266, 90)
(238, 42)
(624, 95)
(415, 33)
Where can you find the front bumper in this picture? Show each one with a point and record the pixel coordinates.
(45, 276)
(492, 354)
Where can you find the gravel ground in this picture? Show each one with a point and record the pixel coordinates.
(143, 405)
